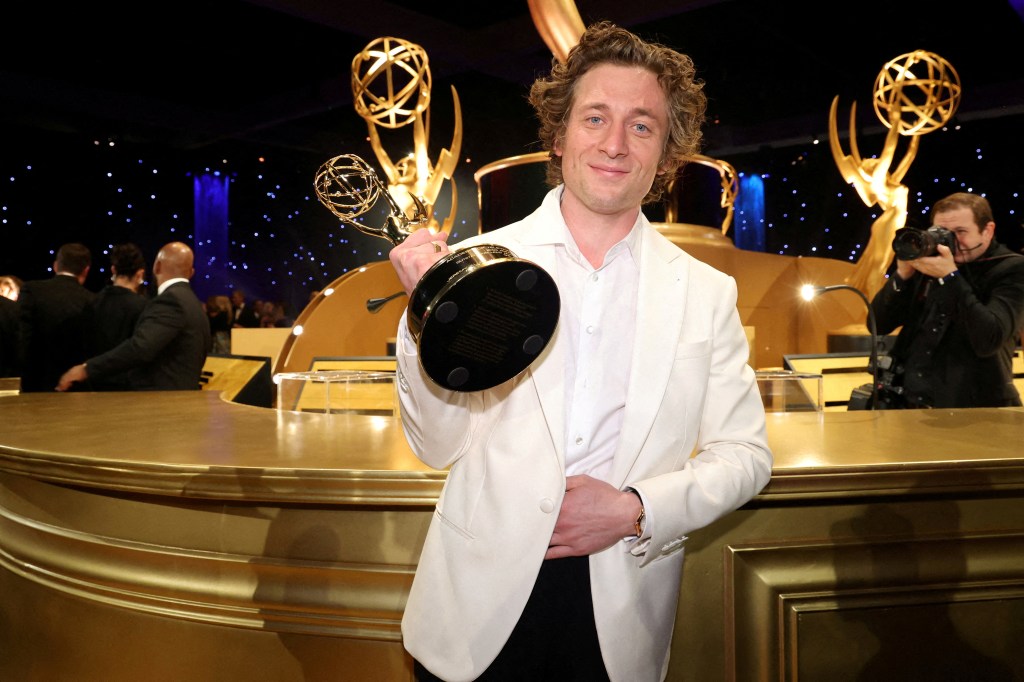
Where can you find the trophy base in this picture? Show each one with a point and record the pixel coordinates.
(481, 316)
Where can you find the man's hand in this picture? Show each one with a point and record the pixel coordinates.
(76, 373)
(594, 515)
(416, 254)
(935, 266)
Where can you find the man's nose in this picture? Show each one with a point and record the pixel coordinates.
(614, 141)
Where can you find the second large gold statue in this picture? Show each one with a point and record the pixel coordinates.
(480, 315)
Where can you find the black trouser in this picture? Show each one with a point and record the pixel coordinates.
(555, 639)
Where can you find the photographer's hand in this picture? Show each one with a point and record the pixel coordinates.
(905, 269)
(937, 266)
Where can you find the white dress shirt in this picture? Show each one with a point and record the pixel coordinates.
(163, 287)
(599, 315)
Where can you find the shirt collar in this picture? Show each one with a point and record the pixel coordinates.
(630, 243)
(174, 280)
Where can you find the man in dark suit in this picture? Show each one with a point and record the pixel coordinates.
(55, 320)
(171, 339)
(10, 332)
(245, 315)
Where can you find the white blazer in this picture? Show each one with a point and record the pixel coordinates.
(693, 441)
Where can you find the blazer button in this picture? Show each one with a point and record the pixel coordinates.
(547, 505)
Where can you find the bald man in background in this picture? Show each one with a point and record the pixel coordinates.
(168, 348)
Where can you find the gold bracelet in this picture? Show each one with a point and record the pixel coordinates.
(638, 525)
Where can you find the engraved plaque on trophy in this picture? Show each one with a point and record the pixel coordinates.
(480, 315)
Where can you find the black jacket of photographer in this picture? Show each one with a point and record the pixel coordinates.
(958, 338)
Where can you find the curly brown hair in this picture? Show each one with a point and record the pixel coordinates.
(553, 96)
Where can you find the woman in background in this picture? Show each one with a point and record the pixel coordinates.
(117, 307)
(221, 315)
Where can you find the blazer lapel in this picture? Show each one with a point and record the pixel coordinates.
(548, 371)
(662, 296)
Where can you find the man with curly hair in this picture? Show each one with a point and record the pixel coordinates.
(556, 547)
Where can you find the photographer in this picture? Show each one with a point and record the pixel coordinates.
(959, 296)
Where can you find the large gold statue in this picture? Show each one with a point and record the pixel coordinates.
(910, 103)
(391, 89)
(559, 23)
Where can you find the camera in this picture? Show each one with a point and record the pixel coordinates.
(886, 393)
(910, 242)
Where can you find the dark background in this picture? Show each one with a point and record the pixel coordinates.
(111, 111)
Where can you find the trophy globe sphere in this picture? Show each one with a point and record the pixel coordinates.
(920, 89)
(391, 82)
(347, 186)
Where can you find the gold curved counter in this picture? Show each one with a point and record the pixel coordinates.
(176, 536)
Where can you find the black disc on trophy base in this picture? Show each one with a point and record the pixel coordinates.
(481, 316)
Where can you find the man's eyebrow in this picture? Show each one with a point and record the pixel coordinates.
(603, 107)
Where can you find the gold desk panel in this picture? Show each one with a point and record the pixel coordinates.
(176, 536)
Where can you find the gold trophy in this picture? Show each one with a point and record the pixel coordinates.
(391, 88)
(730, 189)
(914, 94)
(480, 315)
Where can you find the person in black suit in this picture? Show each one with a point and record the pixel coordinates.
(117, 308)
(168, 348)
(245, 315)
(55, 320)
(10, 332)
(959, 307)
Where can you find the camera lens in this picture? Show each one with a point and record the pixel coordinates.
(910, 243)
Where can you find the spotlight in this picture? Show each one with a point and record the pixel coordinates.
(810, 291)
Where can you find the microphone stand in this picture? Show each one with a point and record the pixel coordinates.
(374, 305)
(810, 291)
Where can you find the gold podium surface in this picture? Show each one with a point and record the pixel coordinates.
(174, 535)
(194, 444)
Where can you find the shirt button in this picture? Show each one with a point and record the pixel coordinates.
(594, 277)
(579, 440)
(547, 505)
(590, 329)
